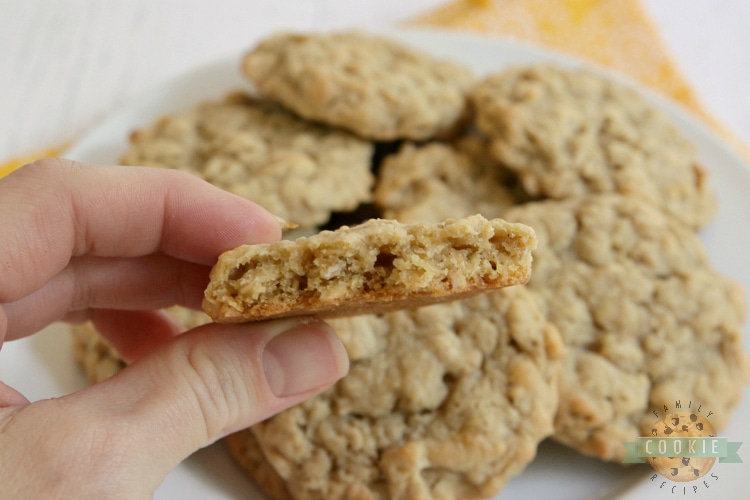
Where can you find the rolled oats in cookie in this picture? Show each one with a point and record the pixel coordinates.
(377, 266)
(437, 181)
(572, 132)
(646, 318)
(441, 402)
(377, 87)
(297, 170)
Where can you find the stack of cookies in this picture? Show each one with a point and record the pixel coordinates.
(623, 311)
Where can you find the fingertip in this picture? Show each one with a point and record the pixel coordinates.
(11, 397)
(260, 225)
(219, 221)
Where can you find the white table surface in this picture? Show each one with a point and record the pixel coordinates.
(65, 64)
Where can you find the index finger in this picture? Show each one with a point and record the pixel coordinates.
(56, 209)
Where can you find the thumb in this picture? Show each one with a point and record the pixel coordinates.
(132, 429)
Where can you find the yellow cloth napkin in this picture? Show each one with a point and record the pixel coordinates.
(614, 33)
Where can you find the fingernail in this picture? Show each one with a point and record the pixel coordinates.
(285, 224)
(308, 356)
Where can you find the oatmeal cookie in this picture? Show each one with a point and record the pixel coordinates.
(445, 401)
(437, 181)
(296, 170)
(571, 132)
(372, 85)
(93, 353)
(377, 266)
(646, 318)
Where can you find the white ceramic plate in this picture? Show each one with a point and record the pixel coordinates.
(41, 366)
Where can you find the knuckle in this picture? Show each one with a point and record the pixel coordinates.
(217, 387)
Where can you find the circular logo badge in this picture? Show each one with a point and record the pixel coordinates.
(682, 425)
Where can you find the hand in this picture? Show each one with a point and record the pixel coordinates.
(114, 244)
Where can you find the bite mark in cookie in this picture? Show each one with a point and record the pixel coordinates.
(377, 266)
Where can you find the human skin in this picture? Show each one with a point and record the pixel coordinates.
(114, 245)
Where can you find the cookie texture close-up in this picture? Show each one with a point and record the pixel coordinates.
(437, 181)
(572, 132)
(377, 266)
(297, 170)
(646, 318)
(372, 85)
(446, 401)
